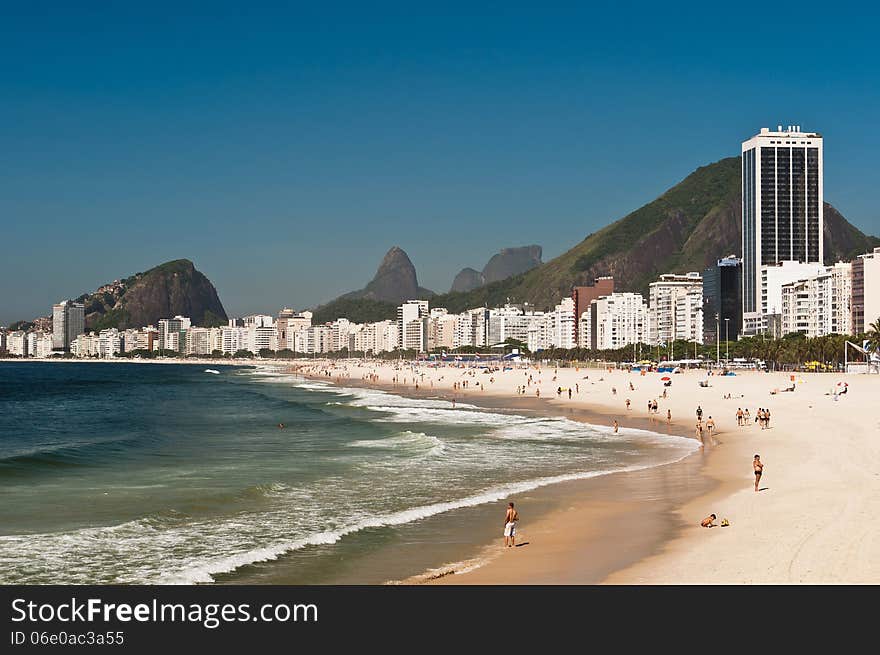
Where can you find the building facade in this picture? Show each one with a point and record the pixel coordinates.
(722, 300)
(621, 319)
(584, 296)
(68, 322)
(820, 304)
(865, 291)
(782, 207)
(676, 308)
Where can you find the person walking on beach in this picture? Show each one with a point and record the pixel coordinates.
(627, 403)
(510, 519)
(746, 417)
(758, 465)
(739, 416)
(710, 426)
(668, 416)
(569, 393)
(615, 426)
(767, 418)
(699, 430)
(699, 413)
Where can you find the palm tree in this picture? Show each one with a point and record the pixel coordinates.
(873, 336)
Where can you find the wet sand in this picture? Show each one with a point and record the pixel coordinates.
(811, 522)
(610, 521)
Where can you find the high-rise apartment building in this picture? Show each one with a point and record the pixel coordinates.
(782, 218)
(68, 322)
(412, 325)
(676, 308)
(820, 304)
(619, 319)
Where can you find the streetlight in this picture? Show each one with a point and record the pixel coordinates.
(717, 340)
(727, 339)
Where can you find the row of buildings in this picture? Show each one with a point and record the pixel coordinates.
(812, 299)
(779, 285)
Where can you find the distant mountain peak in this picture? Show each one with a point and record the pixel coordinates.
(502, 265)
(395, 281)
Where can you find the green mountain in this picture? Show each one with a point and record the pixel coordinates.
(170, 289)
(686, 229)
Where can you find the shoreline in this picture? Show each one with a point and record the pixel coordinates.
(809, 524)
(596, 509)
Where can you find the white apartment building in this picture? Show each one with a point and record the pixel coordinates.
(412, 325)
(44, 344)
(415, 335)
(362, 338)
(173, 341)
(198, 341)
(539, 331)
(109, 343)
(261, 337)
(518, 326)
(472, 328)
(770, 308)
(258, 320)
(387, 336)
(313, 340)
(341, 329)
(441, 329)
(676, 308)
(232, 339)
(865, 291)
(129, 339)
(563, 324)
(621, 320)
(86, 345)
(819, 305)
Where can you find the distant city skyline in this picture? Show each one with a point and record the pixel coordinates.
(284, 151)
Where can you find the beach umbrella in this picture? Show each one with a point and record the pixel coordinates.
(665, 378)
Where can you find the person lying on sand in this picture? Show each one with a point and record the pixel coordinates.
(708, 522)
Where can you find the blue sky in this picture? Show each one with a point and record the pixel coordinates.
(284, 148)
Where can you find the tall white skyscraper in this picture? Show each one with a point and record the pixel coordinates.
(68, 322)
(782, 217)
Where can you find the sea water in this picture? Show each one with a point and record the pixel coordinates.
(137, 473)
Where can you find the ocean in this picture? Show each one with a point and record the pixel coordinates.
(168, 474)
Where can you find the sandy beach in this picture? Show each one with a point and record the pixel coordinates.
(809, 523)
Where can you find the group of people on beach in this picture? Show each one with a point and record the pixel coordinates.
(762, 418)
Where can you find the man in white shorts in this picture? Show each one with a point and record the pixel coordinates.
(510, 519)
